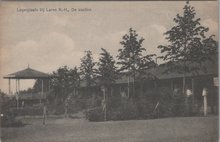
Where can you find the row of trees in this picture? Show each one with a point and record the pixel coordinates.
(131, 62)
(188, 45)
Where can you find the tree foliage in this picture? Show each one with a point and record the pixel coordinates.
(131, 56)
(107, 71)
(65, 82)
(3, 96)
(38, 86)
(87, 70)
(188, 42)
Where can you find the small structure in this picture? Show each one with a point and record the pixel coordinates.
(27, 73)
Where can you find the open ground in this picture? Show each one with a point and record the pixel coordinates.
(186, 129)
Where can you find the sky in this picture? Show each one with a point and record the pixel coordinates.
(51, 39)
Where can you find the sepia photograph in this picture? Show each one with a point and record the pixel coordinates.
(109, 71)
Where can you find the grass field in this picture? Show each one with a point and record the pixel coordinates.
(189, 129)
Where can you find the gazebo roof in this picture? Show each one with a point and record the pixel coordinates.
(28, 73)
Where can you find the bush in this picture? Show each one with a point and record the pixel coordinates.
(178, 105)
(146, 105)
(95, 114)
(143, 107)
(8, 120)
(127, 110)
(26, 111)
(169, 105)
(166, 104)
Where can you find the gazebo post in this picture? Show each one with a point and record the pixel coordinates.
(42, 89)
(44, 105)
(9, 86)
(18, 86)
(16, 92)
(49, 85)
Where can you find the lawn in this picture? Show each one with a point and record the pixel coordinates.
(188, 129)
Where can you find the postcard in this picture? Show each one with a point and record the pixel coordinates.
(109, 71)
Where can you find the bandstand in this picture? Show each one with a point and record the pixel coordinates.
(27, 73)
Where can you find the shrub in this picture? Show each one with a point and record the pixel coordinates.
(166, 104)
(8, 120)
(125, 111)
(146, 105)
(143, 107)
(95, 114)
(26, 111)
(178, 105)
(169, 105)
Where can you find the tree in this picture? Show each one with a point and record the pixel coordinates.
(3, 97)
(87, 70)
(189, 47)
(131, 56)
(38, 85)
(107, 74)
(74, 78)
(65, 82)
(107, 71)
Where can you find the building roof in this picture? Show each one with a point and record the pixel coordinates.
(159, 72)
(123, 79)
(208, 68)
(27, 73)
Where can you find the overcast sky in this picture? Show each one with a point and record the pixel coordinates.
(49, 40)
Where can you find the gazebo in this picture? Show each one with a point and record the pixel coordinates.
(27, 73)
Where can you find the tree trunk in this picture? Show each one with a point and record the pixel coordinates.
(155, 84)
(184, 84)
(56, 99)
(111, 91)
(133, 88)
(171, 85)
(193, 91)
(74, 91)
(105, 104)
(129, 86)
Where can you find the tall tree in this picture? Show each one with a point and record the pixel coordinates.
(4, 98)
(75, 77)
(131, 56)
(87, 69)
(107, 74)
(107, 71)
(38, 85)
(65, 82)
(188, 44)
